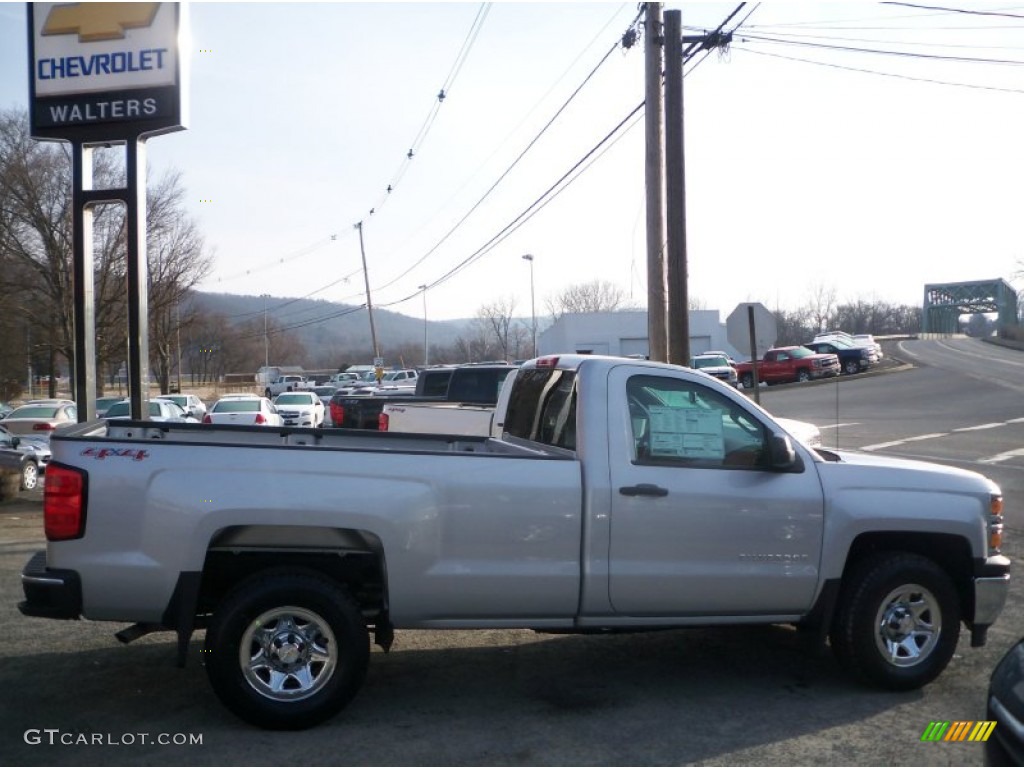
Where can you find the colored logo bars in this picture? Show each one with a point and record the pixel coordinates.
(958, 730)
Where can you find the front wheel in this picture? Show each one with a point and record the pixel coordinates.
(852, 367)
(898, 622)
(287, 649)
(803, 375)
(267, 393)
(29, 476)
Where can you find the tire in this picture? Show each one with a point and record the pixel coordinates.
(851, 367)
(748, 380)
(803, 375)
(287, 649)
(898, 621)
(267, 393)
(29, 476)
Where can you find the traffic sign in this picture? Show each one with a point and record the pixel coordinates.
(737, 327)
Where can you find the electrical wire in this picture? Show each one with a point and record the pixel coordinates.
(510, 168)
(446, 86)
(955, 10)
(903, 54)
(876, 72)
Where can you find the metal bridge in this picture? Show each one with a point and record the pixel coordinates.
(945, 302)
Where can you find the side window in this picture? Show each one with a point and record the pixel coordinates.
(680, 423)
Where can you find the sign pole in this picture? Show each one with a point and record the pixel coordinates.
(138, 280)
(83, 279)
(753, 354)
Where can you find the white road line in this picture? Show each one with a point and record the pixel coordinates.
(914, 439)
(1002, 456)
(993, 425)
(837, 426)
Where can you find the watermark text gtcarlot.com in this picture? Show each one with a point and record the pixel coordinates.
(56, 737)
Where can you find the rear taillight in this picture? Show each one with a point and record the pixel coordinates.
(338, 414)
(207, 419)
(260, 419)
(547, 362)
(64, 503)
(43, 427)
(383, 422)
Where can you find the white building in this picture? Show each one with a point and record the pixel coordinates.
(625, 333)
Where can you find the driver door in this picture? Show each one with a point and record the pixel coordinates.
(701, 523)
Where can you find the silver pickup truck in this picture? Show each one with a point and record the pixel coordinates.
(623, 495)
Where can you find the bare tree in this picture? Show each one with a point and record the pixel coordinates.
(593, 296)
(822, 305)
(496, 320)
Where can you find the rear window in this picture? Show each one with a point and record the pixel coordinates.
(34, 412)
(543, 407)
(435, 383)
(470, 385)
(295, 399)
(237, 406)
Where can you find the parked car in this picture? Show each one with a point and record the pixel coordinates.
(300, 409)
(784, 364)
(716, 365)
(325, 392)
(242, 409)
(852, 359)
(35, 452)
(103, 403)
(190, 404)
(41, 417)
(159, 410)
(867, 340)
(1005, 706)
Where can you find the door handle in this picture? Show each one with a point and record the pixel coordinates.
(644, 489)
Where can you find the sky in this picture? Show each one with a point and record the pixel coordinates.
(865, 148)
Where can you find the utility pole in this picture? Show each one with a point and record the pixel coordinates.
(533, 304)
(426, 353)
(675, 193)
(654, 164)
(369, 303)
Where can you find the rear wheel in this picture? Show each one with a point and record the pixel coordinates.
(29, 476)
(898, 622)
(748, 380)
(267, 393)
(287, 649)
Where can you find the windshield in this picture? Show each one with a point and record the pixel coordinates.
(709, 362)
(801, 352)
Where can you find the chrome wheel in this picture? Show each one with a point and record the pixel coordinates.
(29, 476)
(288, 653)
(909, 623)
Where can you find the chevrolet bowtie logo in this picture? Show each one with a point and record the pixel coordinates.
(99, 21)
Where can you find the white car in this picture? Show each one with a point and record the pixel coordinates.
(190, 404)
(244, 409)
(300, 409)
(159, 410)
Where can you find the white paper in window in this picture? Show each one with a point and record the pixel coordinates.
(686, 433)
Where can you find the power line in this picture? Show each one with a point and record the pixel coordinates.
(955, 10)
(879, 51)
(508, 170)
(446, 86)
(876, 72)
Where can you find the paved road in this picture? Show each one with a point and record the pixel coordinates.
(751, 696)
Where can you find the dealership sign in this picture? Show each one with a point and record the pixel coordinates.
(105, 71)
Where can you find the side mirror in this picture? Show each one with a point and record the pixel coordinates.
(783, 457)
(15, 441)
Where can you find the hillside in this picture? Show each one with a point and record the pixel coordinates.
(324, 324)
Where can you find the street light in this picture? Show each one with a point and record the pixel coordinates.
(266, 342)
(533, 306)
(426, 354)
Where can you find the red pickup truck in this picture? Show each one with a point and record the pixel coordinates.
(784, 364)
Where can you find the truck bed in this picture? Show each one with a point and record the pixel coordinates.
(249, 436)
